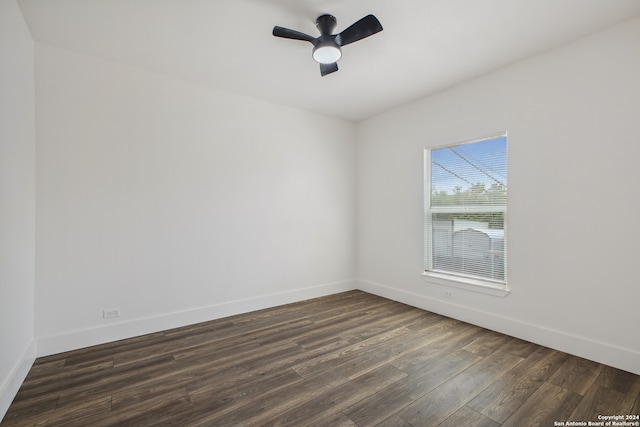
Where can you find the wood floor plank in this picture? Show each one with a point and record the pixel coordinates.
(105, 383)
(619, 380)
(169, 387)
(327, 362)
(245, 369)
(348, 359)
(486, 343)
(335, 420)
(519, 347)
(548, 404)
(468, 417)
(31, 410)
(342, 309)
(445, 341)
(394, 421)
(266, 367)
(143, 410)
(105, 351)
(44, 367)
(60, 375)
(154, 412)
(360, 325)
(234, 394)
(338, 325)
(599, 400)
(399, 395)
(277, 401)
(338, 398)
(398, 316)
(76, 415)
(636, 406)
(99, 382)
(371, 358)
(504, 396)
(576, 374)
(440, 403)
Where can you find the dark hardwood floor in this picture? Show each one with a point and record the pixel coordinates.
(351, 359)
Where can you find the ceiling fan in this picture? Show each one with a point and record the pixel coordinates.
(327, 48)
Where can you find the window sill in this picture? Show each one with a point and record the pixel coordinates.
(466, 284)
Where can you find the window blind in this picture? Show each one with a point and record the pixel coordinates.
(466, 206)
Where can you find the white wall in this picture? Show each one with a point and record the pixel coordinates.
(179, 203)
(17, 201)
(574, 147)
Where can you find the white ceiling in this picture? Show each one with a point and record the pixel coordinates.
(426, 45)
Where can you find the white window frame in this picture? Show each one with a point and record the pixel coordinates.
(482, 285)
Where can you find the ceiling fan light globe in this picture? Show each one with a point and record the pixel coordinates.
(327, 54)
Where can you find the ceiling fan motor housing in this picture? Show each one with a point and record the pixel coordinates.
(326, 24)
(325, 48)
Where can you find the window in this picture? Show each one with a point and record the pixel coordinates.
(465, 211)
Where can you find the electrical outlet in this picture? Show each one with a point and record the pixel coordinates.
(108, 313)
(448, 294)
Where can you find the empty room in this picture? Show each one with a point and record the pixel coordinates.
(319, 213)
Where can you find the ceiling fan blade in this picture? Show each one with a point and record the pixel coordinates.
(365, 27)
(328, 68)
(292, 34)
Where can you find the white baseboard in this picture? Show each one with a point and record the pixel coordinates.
(617, 357)
(12, 384)
(88, 337)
